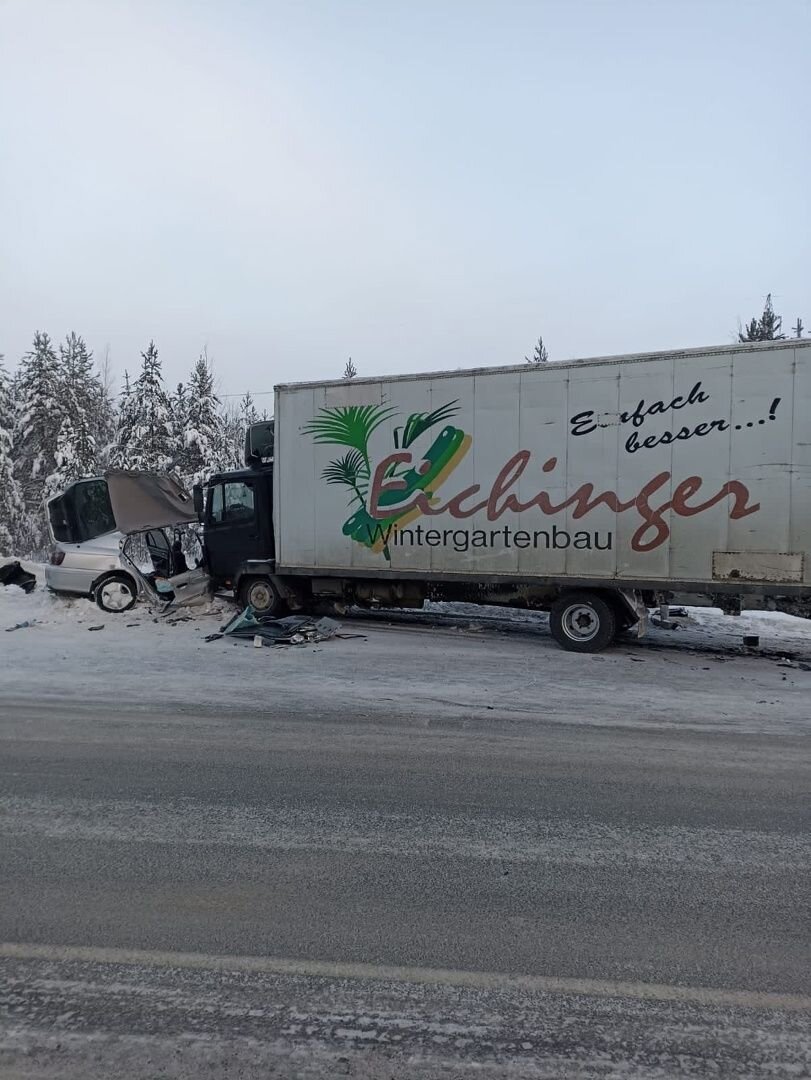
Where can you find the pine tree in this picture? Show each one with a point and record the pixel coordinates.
(148, 444)
(80, 392)
(11, 501)
(105, 417)
(179, 406)
(39, 418)
(119, 456)
(247, 410)
(350, 371)
(540, 355)
(204, 442)
(233, 436)
(767, 328)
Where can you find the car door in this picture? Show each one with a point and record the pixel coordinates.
(232, 533)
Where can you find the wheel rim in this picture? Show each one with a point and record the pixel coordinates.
(116, 595)
(260, 596)
(580, 623)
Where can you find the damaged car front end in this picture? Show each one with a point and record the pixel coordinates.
(146, 506)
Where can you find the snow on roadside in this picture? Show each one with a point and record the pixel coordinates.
(460, 665)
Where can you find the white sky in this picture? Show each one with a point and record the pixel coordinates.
(418, 183)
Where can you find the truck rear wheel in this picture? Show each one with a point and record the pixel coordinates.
(262, 595)
(583, 622)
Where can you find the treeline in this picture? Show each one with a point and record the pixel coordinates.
(60, 420)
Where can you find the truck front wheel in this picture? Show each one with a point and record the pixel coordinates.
(583, 622)
(262, 595)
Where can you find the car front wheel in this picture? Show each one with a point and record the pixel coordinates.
(116, 593)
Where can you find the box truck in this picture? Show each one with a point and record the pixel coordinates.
(594, 490)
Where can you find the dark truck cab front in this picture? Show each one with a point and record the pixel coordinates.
(235, 509)
(237, 518)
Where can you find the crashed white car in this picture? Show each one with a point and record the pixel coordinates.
(96, 525)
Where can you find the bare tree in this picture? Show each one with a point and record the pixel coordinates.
(540, 355)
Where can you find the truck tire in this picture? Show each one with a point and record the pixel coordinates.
(262, 595)
(583, 622)
(116, 593)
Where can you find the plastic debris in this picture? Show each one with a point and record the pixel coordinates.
(290, 630)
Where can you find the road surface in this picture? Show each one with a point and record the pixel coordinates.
(423, 853)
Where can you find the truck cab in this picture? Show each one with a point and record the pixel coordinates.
(237, 519)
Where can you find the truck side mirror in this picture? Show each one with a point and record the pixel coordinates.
(197, 495)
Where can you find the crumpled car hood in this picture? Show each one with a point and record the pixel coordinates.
(147, 500)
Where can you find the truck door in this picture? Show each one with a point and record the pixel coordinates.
(232, 533)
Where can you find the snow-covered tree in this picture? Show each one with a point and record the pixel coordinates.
(11, 501)
(105, 415)
(119, 454)
(148, 442)
(233, 437)
(766, 328)
(204, 428)
(40, 413)
(80, 393)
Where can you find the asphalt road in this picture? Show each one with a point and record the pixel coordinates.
(397, 896)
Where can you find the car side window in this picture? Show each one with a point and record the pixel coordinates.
(238, 502)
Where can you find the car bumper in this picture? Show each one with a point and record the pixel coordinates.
(70, 580)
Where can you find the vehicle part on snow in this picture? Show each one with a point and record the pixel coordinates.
(14, 574)
(290, 630)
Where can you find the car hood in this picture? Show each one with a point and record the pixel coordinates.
(147, 500)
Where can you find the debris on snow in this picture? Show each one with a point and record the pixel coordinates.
(12, 573)
(267, 630)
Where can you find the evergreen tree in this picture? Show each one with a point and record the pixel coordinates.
(247, 410)
(540, 355)
(11, 501)
(80, 393)
(767, 328)
(233, 436)
(179, 406)
(148, 444)
(105, 417)
(204, 429)
(39, 419)
(119, 455)
(350, 371)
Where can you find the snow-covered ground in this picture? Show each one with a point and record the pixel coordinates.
(451, 661)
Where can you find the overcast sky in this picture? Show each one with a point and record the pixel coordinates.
(422, 184)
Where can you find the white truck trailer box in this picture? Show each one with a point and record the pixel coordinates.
(684, 471)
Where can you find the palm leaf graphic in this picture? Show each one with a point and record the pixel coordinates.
(349, 471)
(349, 425)
(417, 423)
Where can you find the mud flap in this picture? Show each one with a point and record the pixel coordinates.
(636, 606)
